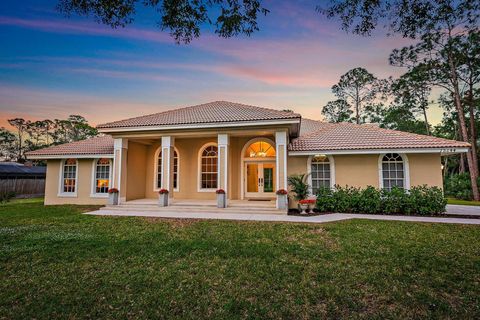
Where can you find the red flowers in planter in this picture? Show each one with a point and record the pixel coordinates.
(281, 192)
(307, 201)
(113, 190)
(162, 191)
(220, 191)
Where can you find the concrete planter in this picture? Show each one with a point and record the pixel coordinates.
(163, 200)
(113, 199)
(282, 201)
(303, 208)
(221, 200)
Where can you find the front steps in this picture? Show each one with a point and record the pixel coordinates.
(234, 207)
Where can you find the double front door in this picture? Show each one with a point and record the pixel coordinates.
(259, 179)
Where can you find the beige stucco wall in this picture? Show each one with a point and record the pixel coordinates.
(136, 158)
(362, 170)
(84, 184)
(356, 170)
(425, 169)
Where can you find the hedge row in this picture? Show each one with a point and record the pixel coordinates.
(421, 200)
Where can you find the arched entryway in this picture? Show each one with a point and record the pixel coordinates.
(258, 169)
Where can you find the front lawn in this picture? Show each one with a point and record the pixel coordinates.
(57, 263)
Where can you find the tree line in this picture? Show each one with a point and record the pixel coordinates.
(32, 135)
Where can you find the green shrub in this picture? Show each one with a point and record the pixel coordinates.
(6, 196)
(393, 201)
(325, 201)
(342, 199)
(369, 201)
(459, 186)
(421, 200)
(427, 200)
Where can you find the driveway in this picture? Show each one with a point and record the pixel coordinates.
(463, 210)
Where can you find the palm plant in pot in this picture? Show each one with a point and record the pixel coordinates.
(299, 188)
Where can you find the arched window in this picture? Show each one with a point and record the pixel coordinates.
(260, 149)
(69, 176)
(208, 167)
(102, 176)
(321, 173)
(393, 171)
(175, 170)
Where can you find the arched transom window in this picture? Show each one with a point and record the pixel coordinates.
(393, 171)
(102, 175)
(320, 173)
(175, 170)
(69, 176)
(260, 149)
(208, 167)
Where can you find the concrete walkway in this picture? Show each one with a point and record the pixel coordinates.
(277, 217)
(463, 210)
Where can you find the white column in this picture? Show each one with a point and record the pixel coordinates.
(119, 179)
(167, 164)
(281, 160)
(222, 166)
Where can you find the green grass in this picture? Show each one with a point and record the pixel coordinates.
(56, 263)
(463, 202)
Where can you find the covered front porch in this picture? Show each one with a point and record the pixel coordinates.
(248, 165)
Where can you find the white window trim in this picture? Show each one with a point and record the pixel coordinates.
(199, 167)
(406, 169)
(60, 181)
(309, 173)
(93, 188)
(155, 170)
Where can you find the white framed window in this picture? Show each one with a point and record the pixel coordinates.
(101, 179)
(321, 172)
(208, 167)
(68, 178)
(158, 170)
(393, 171)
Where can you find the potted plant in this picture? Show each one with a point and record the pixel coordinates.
(163, 197)
(282, 199)
(221, 198)
(305, 205)
(113, 196)
(299, 186)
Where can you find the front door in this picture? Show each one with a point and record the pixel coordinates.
(260, 179)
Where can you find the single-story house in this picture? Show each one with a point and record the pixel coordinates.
(247, 151)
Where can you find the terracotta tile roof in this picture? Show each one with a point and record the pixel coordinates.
(98, 145)
(349, 136)
(213, 112)
(315, 136)
(308, 126)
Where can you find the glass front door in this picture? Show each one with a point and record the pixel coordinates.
(259, 179)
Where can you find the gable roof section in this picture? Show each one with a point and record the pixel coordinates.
(324, 137)
(100, 146)
(208, 113)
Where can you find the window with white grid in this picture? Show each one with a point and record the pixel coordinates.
(208, 176)
(393, 171)
(69, 175)
(175, 170)
(320, 173)
(102, 176)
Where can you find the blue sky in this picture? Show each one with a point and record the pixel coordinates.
(52, 66)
